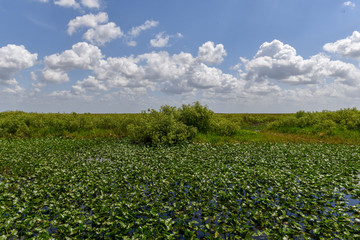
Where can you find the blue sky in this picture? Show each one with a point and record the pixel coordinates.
(127, 56)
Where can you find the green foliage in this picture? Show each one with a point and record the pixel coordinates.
(181, 124)
(111, 189)
(168, 126)
(223, 127)
(161, 127)
(172, 125)
(197, 116)
(26, 125)
(319, 122)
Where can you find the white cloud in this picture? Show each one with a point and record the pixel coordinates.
(81, 56)
(88, 21)
(74, 3)
(178, 73)
(349, 4)
(160, 40)
(203, 76)
(135, 31)
(344, 73)
(317, 78)
(13, 59)
(102, 34)
(279, 62)
(67, 3)
(89, 84)
(91, 3)
(160, 66)
(100, 31)
(211, 54)
(119, 72)
(54, 76)
(348, 47)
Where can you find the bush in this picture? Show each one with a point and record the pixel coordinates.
(161, 127)
(314, 122)
(223, 127)
(197, 116)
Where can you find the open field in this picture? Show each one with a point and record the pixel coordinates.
(109, 188)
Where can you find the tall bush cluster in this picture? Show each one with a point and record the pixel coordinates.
(171, 125)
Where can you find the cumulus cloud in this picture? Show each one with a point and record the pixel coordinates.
(91, 3)
(88, 20)
(67, 3)
(174, 74)
(171, 72)
(13, 59)
(101, 31)
(178, 73)
(183, 74)
(279, 62)
(204, 77)
(160, 40)
(54, 76)
(348, 47)
(89, 84)
(81, 56)
(119, 72)
(211, 54)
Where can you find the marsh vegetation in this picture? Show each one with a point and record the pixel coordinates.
(180, 173)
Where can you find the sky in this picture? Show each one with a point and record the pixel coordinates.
(235, 56)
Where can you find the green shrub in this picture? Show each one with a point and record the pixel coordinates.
(326, 125)
(161, 127)
(223, 127)
(317, 122)
(197, 116)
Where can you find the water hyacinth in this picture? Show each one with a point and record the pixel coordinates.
(113, 189)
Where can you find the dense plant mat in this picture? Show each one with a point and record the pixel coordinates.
(111, 189)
